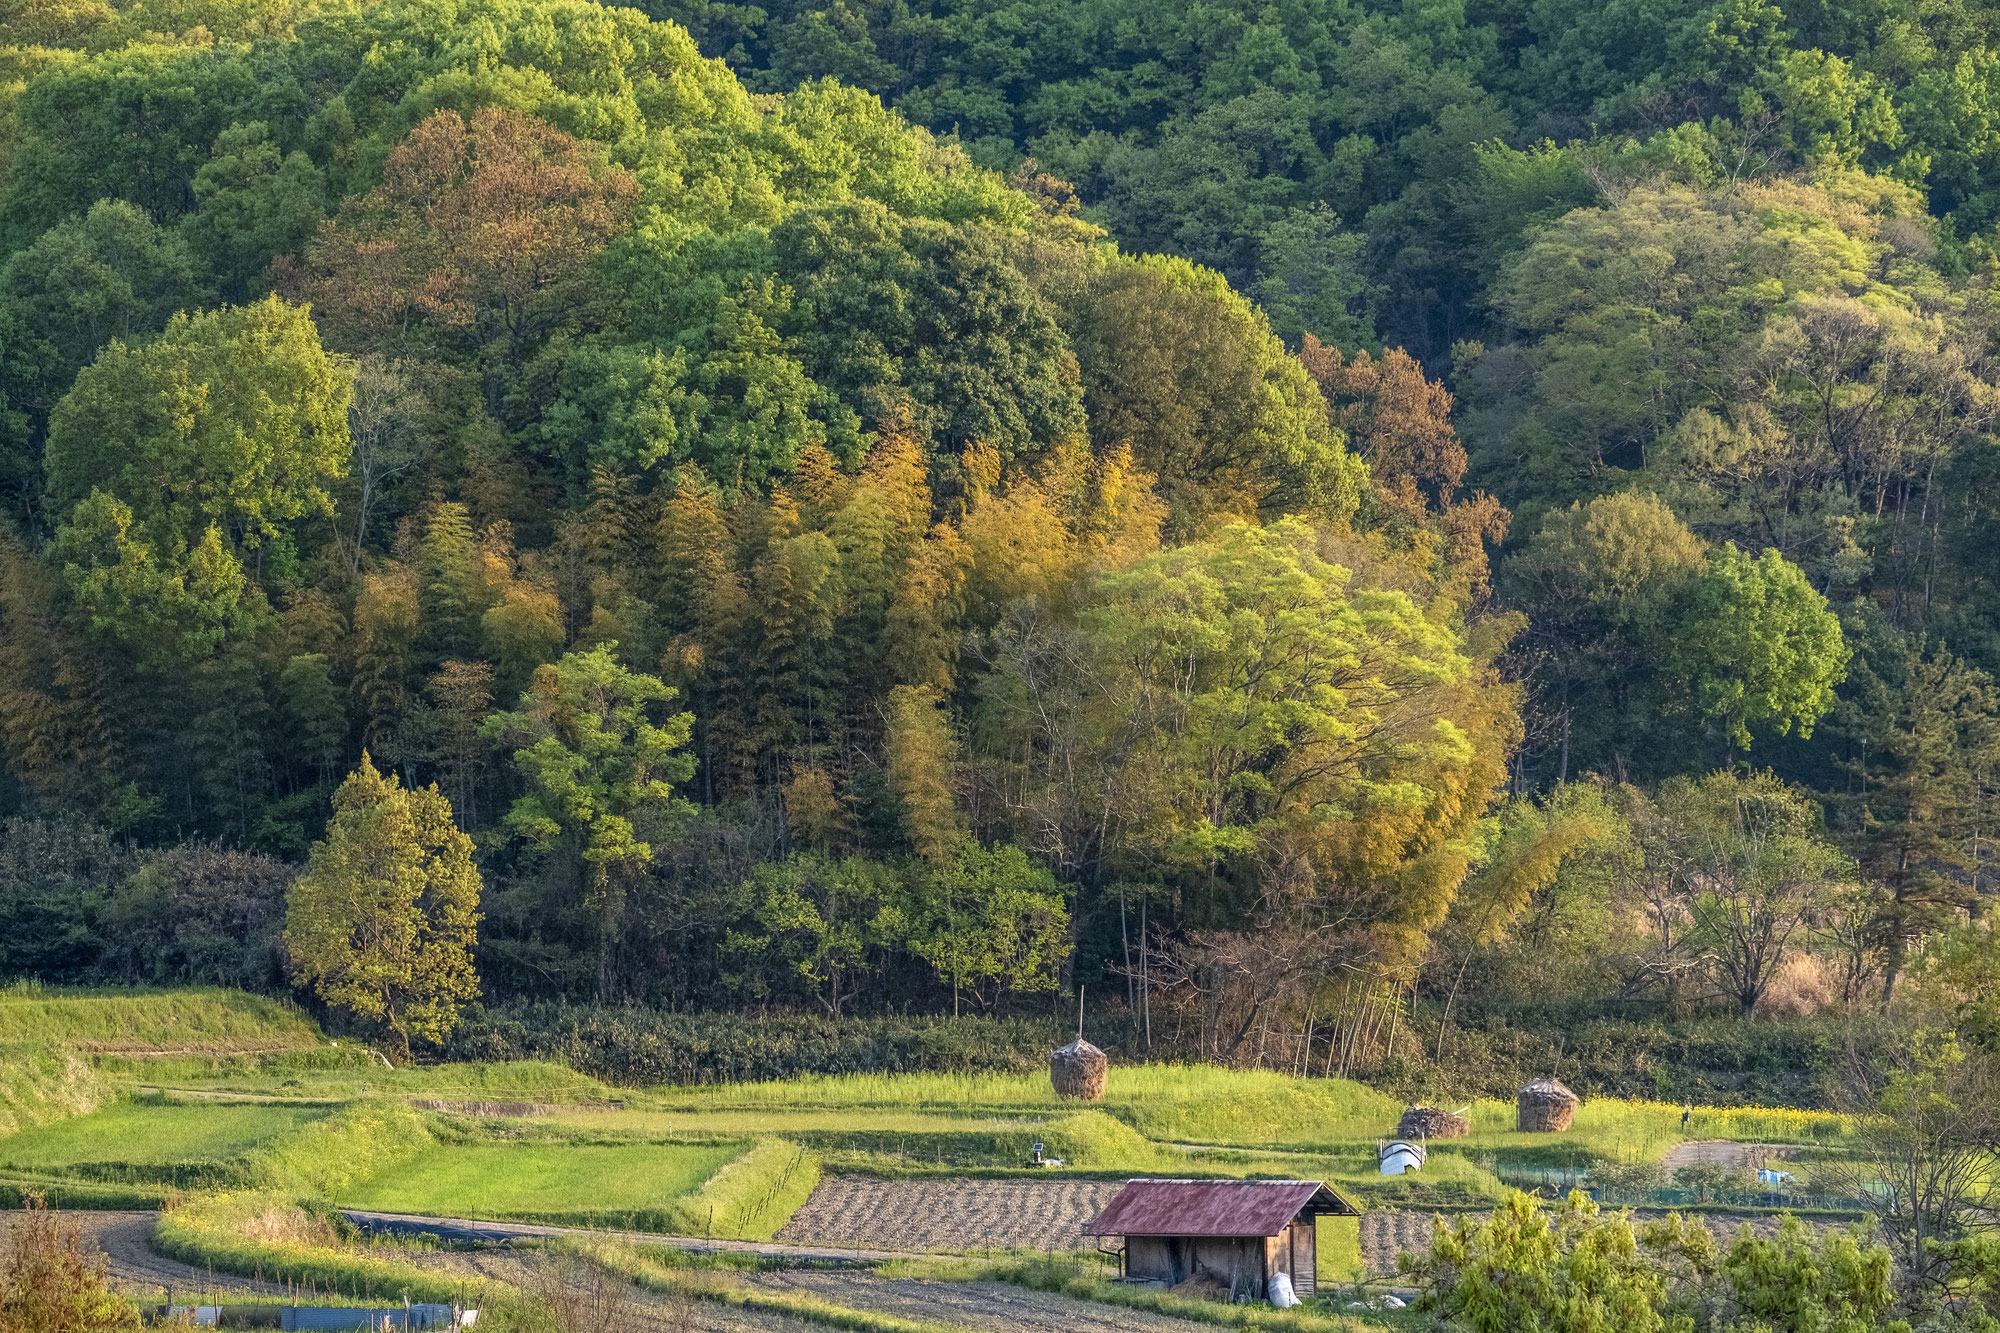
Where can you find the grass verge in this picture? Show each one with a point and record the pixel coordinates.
(266, 1234)
(643, 1265)
(327, 1157)
(41, 1084)
(757, 1193)
(93, 1195)
(1082, 1278)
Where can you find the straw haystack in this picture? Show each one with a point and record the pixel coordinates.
(1078, 1069)
(1428, 1122)
(1546, 1106)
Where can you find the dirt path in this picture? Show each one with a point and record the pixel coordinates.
(126, 1241)
(952, 1215)
(629, 1309)
(997, 1306)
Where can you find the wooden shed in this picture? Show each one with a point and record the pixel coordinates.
(1238, 1232)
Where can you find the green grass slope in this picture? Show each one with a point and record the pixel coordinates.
(139, 1022)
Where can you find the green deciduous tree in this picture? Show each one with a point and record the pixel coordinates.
(383, 921)
(179, 467)
(1747, 861)
(107, 274)
(1754, 644)
(600, 775)
(989, 917)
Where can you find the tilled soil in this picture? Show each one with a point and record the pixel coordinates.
(998, 1306)
(954, 1215)
(126, 1241)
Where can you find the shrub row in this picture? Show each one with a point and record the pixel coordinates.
(635, 1046)
(1719, 1061)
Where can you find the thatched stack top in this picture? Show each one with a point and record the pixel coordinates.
(1546, 1106)
(1428, 1122)
(1078, 1070)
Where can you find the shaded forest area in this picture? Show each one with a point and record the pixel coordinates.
(1365, 535)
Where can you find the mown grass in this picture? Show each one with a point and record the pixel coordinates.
(151, 1132)
(1643, 1131)
(735, 1191)
(824, 1122)
(148, 1019)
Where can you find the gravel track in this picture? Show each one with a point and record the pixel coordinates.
(954, 1215)
(126, 1241)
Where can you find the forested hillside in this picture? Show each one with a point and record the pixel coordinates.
(1320, 522)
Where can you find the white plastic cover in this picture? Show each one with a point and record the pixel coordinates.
(1280, 1288)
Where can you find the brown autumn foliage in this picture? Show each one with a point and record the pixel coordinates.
(52, 1284)
(478, 233)
(1401, 423)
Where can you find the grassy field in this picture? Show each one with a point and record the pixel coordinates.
(155, 1133)
(523, 1180)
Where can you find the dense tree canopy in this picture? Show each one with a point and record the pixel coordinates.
(1287, 512)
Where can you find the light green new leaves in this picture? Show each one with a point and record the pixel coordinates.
(171, 460)
(599, 770)
(1273, 688)
(1757, 644)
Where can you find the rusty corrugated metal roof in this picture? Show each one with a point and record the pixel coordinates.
(1213, 1207)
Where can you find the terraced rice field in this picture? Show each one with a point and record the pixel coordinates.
(154, 1134)
(525, 1180)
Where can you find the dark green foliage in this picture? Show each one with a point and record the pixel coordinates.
(55, 877)
(109, 273)
(920, 315)
(628, 1046)
(199, 913)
